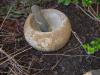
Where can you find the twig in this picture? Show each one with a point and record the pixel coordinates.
(54, 66)
(2, 72)
(19, 50)
(90, 8)
(97, 9)
(39, 71)
(13, 61)
(77, 37)
(87, 13)
(11, 70)
(71, 55)
(84, 11)
(94, 16)
(15, 55)
(36, 69)
(5, 35)
(5, 17)
(30, 63)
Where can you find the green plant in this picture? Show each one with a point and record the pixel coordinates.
(65, 2)
(84, 2)
(98, 1)
(93, 46)
(87, 4)
(98, 16)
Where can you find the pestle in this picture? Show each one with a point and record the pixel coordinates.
(39, 18)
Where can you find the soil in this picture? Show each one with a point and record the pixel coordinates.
(86, 28)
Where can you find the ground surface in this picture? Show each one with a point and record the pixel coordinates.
(74, 60)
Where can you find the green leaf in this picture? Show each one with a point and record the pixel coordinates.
(91, 50)
(93, 46)
(67, 2)
(87, 2)
(75, 1)
(98, 1)
(60, 1)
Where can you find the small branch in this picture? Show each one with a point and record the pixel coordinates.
(90, 8)
(77, 37)
(54, 66)
(39, 71)
(13, 62)
(96, 19)
(11, 70)
(97, 10)
(71, 55)
(30, 63)
(84, 11)
(4, 35)
(93, 16)
(19, 50)
(5, 17)
(14, 55)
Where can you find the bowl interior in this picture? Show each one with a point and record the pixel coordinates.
(55, 18)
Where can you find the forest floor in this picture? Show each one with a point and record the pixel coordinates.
(18, 57)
